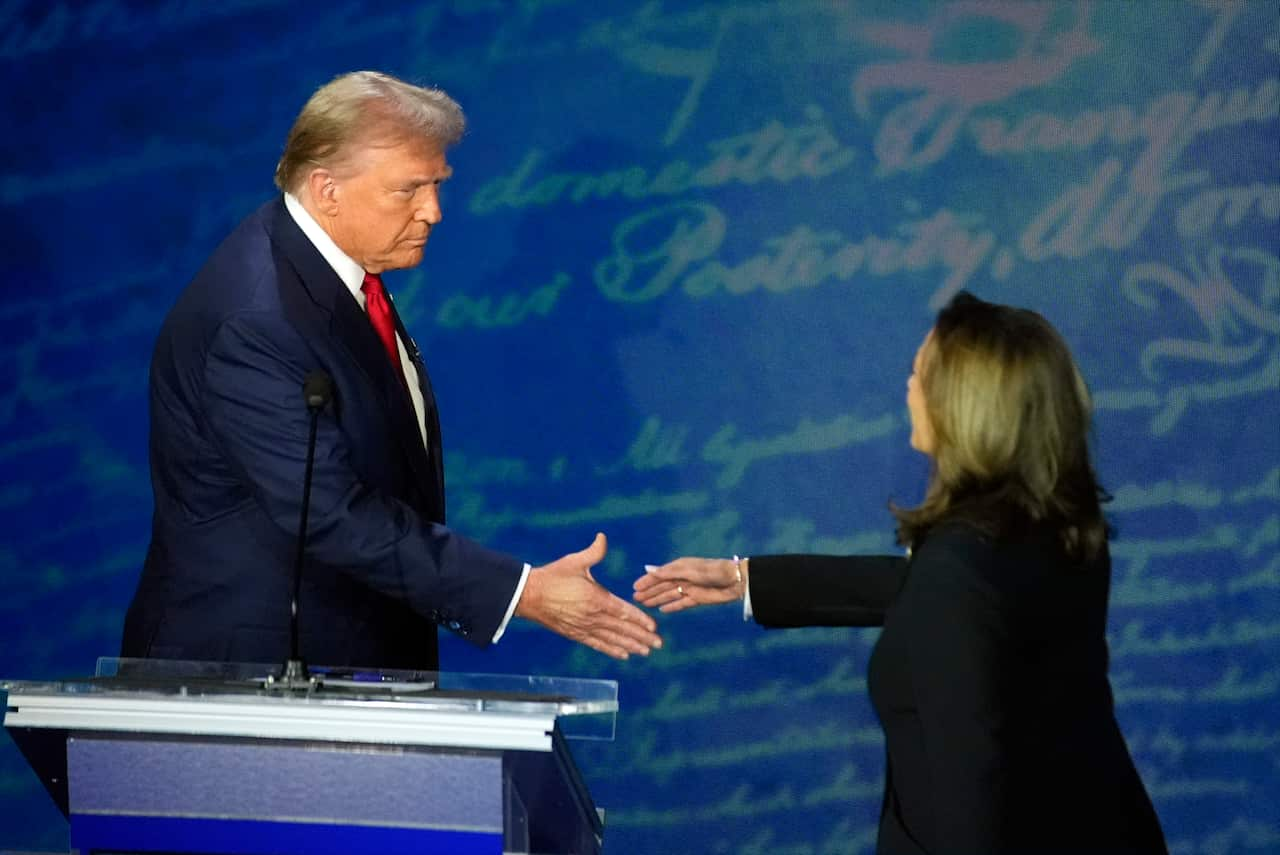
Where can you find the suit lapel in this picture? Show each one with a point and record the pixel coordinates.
(349, 328)
(435, 447)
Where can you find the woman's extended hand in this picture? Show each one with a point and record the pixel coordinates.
(688, 582)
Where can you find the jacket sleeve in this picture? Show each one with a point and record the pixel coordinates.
(957, 629)
(253, 373)
(824, 590)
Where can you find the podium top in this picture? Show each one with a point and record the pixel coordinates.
(582, 708)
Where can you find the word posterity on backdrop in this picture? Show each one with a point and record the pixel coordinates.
(687, 255)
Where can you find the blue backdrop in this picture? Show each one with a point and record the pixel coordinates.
(687, 255)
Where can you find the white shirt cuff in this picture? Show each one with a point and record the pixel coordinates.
(511, 607)
(746, 600)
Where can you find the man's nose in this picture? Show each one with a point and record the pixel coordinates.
(429, 211)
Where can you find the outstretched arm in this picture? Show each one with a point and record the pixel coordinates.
(782, 590)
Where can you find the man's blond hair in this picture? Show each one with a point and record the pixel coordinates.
(359, 109)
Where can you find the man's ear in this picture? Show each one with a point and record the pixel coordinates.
(324, 191)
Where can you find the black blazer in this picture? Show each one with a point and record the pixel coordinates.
(990, 680)
(229, 431)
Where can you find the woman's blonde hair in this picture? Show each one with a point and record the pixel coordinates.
(1010, 416)
(364, 107)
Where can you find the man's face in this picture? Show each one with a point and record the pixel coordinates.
(387, 201)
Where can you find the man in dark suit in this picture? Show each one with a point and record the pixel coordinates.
(293, 290)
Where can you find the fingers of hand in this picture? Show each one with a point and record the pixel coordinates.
(660, 593)
(646, 599)
(605, 647)
(677, 605)
(653, 576)
(628, 637)
(631, 615)
(615, 636)
(624, 620)
(661, 577)
(710, 572)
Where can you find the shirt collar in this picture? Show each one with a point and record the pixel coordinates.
(348, 270)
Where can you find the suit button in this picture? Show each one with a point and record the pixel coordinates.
(454, 625)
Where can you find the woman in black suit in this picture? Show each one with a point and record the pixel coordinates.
(990, 675)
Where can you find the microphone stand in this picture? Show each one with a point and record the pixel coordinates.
(317, 390)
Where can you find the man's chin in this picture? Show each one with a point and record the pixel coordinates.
(408, 257)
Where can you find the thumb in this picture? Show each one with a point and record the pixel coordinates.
(595, 553)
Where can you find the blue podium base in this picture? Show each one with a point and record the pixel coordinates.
(138, 834)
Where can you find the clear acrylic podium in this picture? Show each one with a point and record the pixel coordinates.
(196, 757)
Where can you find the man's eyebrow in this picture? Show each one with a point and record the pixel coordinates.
(443, 175)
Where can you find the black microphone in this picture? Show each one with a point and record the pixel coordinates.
(317, 391)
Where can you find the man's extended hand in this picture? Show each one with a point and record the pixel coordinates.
(564, 598)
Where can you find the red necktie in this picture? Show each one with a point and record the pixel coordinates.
(379, 310)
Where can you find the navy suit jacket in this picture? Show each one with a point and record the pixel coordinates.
(229, 431)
